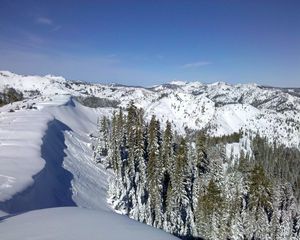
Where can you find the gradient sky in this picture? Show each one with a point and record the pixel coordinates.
(151, 42)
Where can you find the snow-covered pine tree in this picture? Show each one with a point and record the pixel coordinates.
(167, 172)
(140, 180)
(129, 163)
(209, 212)
(117, 190)
(114, 155)
(97, 145)
(153, 173)
(200, 168)
(180, 200)
(260, 202)
(131, 133)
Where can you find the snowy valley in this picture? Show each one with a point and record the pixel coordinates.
(55, 185)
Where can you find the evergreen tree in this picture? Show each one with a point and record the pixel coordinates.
(114, 148)
(201, 156)
(209, 212)
(260, 201)
(167, 171)
(132, 128)
(153, 172)
(140, 166)
(116, 187)
(180, 201)
(200, 168)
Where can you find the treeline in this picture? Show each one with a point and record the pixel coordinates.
(234, 137)
(280, 163)
(10, 95)
(188, 187)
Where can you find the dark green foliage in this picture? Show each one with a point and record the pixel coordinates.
(96, 102)
(243, 164)
(181, 172)
(260, 190)
(235, 137)
(212, 201)
(167, 163)
(153, 162)
(114, 147)
(278, 161)
(201, 156)
(10, 95)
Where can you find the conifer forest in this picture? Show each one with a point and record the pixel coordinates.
(188, 184)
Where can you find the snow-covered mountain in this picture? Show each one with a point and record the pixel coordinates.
(46, 154)
(219, 108)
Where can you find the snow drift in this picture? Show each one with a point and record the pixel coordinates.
(46, 162)
(76, 223)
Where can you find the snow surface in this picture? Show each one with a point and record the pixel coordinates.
(72, 223)
(54, 166)
(20, 141)
(89, 181)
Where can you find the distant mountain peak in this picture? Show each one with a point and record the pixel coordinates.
(178, 82)
(220, 108)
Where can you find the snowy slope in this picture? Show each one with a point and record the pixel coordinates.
(20, 140)
(220, 108)
(46, 162)
(89, 181)
(76, 223)
(46, 151)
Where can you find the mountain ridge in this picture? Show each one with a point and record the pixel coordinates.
(219, 108)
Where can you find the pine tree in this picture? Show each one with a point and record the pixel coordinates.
(140, 178)
(260, 201)
(114, 148)
(131, 130)
(209, 212)
(190, 182)
(180, 201)
(260, 190)
(200, 168)
(167, 170)
(121, 133)
(97, 145)
(153, 173)
(201, 156)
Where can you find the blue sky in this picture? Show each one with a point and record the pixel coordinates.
(151, 42)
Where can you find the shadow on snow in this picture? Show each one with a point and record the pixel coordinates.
(52, 185)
